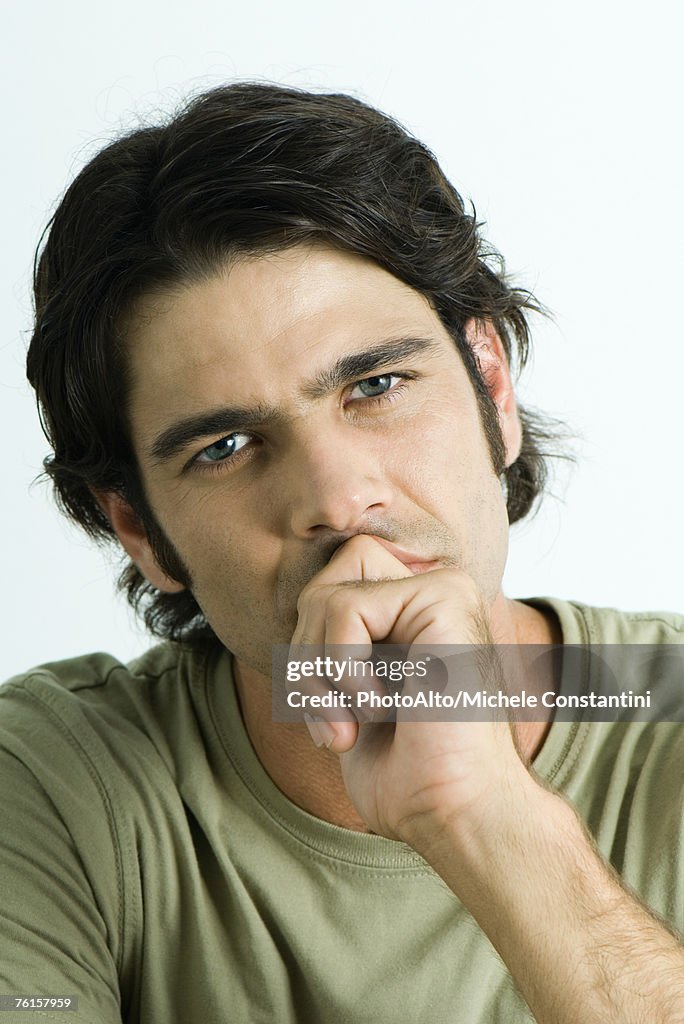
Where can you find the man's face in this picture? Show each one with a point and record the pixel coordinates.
(289, 403)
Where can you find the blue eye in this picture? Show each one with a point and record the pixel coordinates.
(375, 387)
(221, 451)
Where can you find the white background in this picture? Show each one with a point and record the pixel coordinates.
(562, 122)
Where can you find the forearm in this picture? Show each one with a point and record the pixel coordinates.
(578, 946)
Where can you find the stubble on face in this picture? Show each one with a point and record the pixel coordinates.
(429, 539)
(446, 500)
(426, 537)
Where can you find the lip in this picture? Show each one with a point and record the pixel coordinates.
(411, 559)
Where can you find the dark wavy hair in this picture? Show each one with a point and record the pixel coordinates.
(243, 169)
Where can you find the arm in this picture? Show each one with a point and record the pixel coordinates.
(577, 944)
(53, 938)
(579, 947)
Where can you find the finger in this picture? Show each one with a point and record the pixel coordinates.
(360, 559)
(356, 680)
(337, 737)
(363, 558)
(311, 695)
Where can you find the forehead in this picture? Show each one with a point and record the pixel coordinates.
(259, 327)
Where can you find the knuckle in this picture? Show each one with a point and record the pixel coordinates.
(313, 591)
(340, 600)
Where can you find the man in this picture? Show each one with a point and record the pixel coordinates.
(273, 360)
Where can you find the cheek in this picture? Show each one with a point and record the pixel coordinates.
(443, 457)
(490, 539)
(448, 473)
(234, 579)
(220, 538)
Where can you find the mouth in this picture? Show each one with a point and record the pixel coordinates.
(418, 567)
(413, 561)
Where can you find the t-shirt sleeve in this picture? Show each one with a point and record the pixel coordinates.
(57, 921)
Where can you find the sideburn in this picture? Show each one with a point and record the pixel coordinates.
(168, 559)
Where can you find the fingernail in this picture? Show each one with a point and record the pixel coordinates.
(322, 732)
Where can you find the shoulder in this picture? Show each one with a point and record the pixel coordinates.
(92, 672)
(99, 761)
(99, 688)
(107, 727)
(612, 626)
(587, 624)
(623, 768)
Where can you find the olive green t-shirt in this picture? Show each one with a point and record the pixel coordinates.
(150, 868)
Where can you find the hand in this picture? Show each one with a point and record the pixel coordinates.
(408, 780)
(515, 853)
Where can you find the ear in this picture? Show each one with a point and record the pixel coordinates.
(491, 357)
(133, 539)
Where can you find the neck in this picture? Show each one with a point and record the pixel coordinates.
(311, 778)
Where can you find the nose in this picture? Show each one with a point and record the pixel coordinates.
(335, 484)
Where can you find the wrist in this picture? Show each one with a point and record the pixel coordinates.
(478, 830)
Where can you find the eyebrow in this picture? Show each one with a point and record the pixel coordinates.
(228, 419)
(361, 364)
